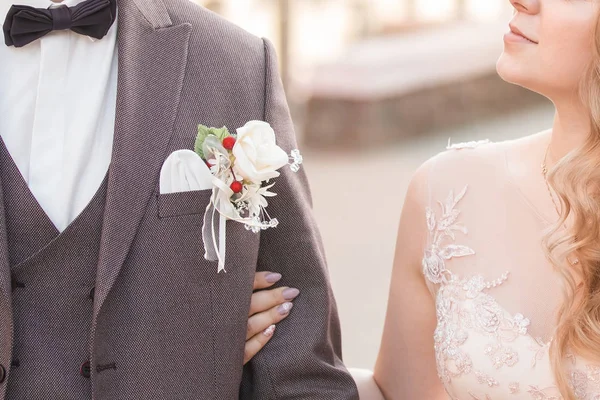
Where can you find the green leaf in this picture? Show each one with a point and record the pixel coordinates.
(221, 133)
(203, 132)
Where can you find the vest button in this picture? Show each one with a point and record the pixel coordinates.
(92, 292)
(14, 283)
(2, 373)
(84, 370)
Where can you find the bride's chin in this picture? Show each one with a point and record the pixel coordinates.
(511, 71)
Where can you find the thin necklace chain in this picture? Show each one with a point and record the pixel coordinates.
(545, 174)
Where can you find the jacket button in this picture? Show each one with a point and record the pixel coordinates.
(84, 370)
(2, 373)
(92, 292)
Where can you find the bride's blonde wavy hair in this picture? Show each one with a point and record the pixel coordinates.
(576, 180)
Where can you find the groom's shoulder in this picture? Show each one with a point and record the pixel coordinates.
(214, 36)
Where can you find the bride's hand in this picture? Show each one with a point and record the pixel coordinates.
(267, 308)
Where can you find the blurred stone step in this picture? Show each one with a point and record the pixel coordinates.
(389, 88)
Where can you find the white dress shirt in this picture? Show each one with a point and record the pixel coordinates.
(57, 113)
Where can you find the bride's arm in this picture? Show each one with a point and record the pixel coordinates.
(405, 366)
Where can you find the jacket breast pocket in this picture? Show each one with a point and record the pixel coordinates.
(183, 203)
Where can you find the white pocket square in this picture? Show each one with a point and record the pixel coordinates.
(184, 171)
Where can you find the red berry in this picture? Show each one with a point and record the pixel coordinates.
(229, 142)
(236, 186)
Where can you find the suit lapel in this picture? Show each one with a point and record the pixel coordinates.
(152, 59)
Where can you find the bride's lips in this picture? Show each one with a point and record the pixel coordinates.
(515, 35)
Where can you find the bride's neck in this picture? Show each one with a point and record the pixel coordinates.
(570, 129)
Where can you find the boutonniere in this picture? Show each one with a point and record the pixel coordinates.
(243, 165)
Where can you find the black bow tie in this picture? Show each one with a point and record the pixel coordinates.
(24, 24)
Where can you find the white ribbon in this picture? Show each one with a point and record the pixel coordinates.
(220, 202)
(215, 250)
(214, 236)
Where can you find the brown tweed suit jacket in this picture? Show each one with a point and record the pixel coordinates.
(169, 326)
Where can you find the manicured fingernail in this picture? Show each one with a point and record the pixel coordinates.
(269, 331)
(273, 277)
(285, 308)
(290, 293)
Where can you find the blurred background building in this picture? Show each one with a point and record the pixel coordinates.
(375, 88)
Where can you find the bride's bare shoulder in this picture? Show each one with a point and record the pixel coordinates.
(476, 159)
(482, 153)
(459, 155)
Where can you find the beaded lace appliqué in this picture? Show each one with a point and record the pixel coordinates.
(586, 381)
(434, 266)
(463, 305)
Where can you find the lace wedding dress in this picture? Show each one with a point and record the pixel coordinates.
(496, 294)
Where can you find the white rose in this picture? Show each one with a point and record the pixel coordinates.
(257, 157)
